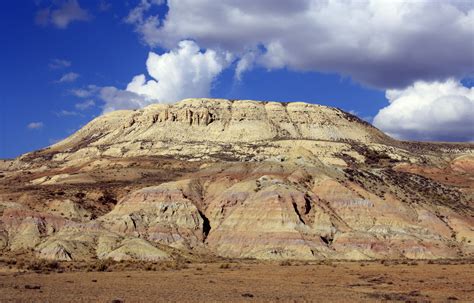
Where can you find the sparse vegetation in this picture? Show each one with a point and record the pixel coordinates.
(286, 263)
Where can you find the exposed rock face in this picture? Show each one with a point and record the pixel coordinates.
(238, 179)
(160, 214)
(212, 128)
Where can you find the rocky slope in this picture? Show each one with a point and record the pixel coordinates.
(203, 129)
(238, 179)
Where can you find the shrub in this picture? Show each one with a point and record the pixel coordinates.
(285, 263)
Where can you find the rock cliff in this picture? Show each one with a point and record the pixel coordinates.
(212, 128)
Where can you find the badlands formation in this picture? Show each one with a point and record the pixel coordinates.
(238, 179)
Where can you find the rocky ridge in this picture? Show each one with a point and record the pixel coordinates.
(212, 128)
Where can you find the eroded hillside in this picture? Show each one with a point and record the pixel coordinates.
(238, 179)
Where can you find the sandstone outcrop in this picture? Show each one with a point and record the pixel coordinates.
(212, 129)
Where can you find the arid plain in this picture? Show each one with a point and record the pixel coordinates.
(249, 281)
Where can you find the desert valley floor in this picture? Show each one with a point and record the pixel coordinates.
(450, 281)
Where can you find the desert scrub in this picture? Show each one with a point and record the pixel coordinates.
(286, 263)
(225, 266)
(39, 265)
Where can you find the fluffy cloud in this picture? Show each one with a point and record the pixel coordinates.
(245, 63)
(115, 99)
(61, 13)
(35, 125)
(136, 15)
(429, 111)
(181, 73)
(68, 77)
(384, 44)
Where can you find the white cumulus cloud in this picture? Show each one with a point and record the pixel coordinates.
(115, 99)
(245, 63)
(183, 72)
(429, 111)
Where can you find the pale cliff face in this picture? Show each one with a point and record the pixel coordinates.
(239, 179)
(213, 123)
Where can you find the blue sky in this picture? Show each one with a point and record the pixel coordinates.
(54, 50)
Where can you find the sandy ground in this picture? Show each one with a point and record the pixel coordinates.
(337, 282)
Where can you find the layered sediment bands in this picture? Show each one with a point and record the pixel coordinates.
(238, 179)
(211, 128)
(330, 220)
(231, 121)
(160, 214)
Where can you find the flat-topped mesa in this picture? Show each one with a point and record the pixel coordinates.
(226, 121)
(237, 179)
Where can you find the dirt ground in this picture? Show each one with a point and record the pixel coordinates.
(233, 282)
